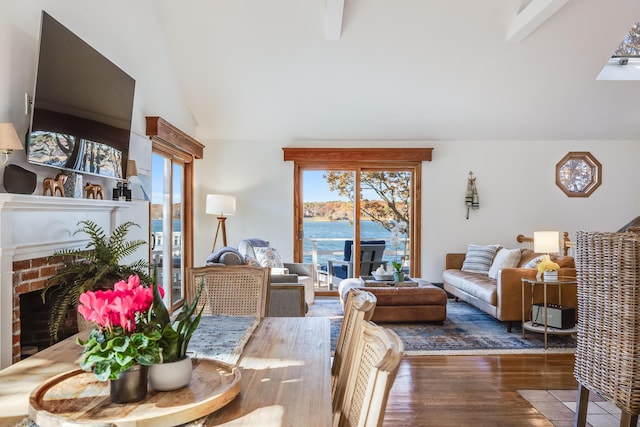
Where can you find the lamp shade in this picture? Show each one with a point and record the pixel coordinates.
(132, 168)
(221, 204)
(547, 242)
(9, 140)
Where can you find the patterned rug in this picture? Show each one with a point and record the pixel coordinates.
(467, 330)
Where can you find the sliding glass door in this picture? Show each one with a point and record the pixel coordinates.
(167, 224)
(356, 218)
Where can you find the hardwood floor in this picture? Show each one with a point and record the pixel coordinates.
(474, 390)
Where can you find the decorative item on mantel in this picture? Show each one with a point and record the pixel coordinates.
(471, 198)
(93, 191)
(126, 340)
(54, 185)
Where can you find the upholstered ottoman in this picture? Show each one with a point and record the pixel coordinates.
(424, 303)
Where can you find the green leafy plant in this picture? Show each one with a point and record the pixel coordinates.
(126, 334)
(97, 266)
(397, 266)
(176, 333)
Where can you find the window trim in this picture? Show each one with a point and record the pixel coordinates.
(359, 159)
(170, 141)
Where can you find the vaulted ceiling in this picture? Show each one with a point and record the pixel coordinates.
(403, 69)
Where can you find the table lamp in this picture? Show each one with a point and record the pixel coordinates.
(223, 206)
(9, 141)
(546, 242)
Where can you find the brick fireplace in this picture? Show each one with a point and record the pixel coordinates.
(31, 229)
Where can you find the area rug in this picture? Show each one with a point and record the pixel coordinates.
(467, 330)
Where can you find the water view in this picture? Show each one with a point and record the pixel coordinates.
(339, 231)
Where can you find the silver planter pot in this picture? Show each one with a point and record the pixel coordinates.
(131, 386)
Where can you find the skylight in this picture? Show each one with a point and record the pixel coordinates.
(624, 64)
(630, 46)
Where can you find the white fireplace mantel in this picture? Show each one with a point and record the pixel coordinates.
(36, 226)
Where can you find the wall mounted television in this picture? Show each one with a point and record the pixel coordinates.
(82, 106)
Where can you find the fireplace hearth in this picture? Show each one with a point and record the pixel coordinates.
(32, 228)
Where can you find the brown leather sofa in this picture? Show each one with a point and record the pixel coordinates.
(502, 297)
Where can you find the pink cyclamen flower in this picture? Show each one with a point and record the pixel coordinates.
(117, 307)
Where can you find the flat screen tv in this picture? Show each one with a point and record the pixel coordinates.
(82, 106)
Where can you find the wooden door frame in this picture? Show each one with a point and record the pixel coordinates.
(359, 159)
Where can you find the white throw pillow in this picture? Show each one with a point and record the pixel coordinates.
(478, 258)
(505, 258)
(268, 257)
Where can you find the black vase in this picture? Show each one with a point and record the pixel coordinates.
(131, 385)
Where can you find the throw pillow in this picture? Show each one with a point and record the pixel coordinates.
(505, 258)
(268, 257)
(251, 261)
(478, 258)
(534, 262)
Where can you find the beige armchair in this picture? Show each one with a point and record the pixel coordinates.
(297, 272)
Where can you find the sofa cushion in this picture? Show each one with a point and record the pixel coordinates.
(478, 258)
(478, 285)
(505, 258)
(268, 257)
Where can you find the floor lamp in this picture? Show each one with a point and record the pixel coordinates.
(223, 206)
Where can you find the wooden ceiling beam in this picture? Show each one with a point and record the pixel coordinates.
(333, 19)
(531, 17)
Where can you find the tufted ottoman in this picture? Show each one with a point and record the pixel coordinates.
(424, 303)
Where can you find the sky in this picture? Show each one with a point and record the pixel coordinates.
(316, 188)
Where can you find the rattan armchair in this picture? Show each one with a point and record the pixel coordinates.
(359, 307)
(230, 290)
(608, 347)
(372, 371)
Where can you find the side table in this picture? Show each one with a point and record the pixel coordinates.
(545, 329)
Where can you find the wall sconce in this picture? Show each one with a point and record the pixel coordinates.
(223, 206)
(9, 141)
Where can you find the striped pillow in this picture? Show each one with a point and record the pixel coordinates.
(479, 258)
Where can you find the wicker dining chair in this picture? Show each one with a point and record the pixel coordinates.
(230, 290)
(607, 357)
(372, 371)
(360, 306)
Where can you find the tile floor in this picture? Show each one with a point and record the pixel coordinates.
(559, 406)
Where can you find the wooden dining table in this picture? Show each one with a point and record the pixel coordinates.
(285, 377)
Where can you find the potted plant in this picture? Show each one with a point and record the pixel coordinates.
(97, 266)
(174, 369)
(398, 274)
(547, 269)
(125, 341)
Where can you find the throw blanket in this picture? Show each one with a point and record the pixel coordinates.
(217, 255)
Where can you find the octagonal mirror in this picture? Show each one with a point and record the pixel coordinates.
(578, 174)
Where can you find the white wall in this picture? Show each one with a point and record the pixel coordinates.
(515, 180)
(126, 32)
